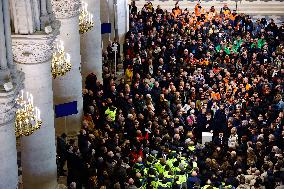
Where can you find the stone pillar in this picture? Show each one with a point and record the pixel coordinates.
(44, 17)
(112, 17)
(49, 6)
(33, 53)
(43, 7)
(7, 29)
(24, 16)
(91, 50)
(3, 53)
(107, 16)
(69, 87)
(8, 152)
(122, 21)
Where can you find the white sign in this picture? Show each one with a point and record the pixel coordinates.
(114, 47)
(206, 137)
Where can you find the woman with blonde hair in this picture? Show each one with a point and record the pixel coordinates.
(233, 139)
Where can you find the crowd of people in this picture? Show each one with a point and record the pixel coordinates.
(185, 73)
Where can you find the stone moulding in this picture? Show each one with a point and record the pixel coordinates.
(33, 49)
(7, 100)
(7, 117)
(66, 8)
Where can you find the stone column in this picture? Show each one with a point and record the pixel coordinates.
(69, 87)
(33, 53)
(44, 17)
(112, 17)
(49, 6)
(43, 7)
(3, 53)
(122, 20)
(23, 16)
(91, 50)
(8, 152)
(107, 16)
(7, 29)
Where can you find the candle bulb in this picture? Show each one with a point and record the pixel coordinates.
(27, 95)
(22, 94)
(57, 45)
(85, 6)
(62, 47)
(39, 114)
(68, 58)
(36, 112)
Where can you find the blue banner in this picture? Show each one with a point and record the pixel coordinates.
(106, 28)
(66, 109)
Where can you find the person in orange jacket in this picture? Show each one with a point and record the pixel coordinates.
(225, 10)
(176, 11)
(199, 10)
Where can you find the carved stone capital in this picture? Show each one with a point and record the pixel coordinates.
(33, 49)
(66, 8)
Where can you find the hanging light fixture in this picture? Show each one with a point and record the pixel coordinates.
(60, 63)
(27, 116)
(86, 22)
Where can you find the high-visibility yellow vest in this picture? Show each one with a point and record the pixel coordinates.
(181, 179)
(176, 170)
(207, 186)
(191, 148)
(160, 168)
(162, 185)
(111, 113)
(194, 164)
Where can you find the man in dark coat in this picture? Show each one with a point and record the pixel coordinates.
(61, 152)
(220, 120)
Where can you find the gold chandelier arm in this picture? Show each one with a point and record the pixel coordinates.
(27, 116)
(60, 64)
(86, 22)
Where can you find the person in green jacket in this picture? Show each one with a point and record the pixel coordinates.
(111, 112)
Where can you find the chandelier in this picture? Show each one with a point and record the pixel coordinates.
(60, 63)
(86, 22)
(27, 116)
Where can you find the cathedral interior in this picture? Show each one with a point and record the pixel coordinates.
(141, 94)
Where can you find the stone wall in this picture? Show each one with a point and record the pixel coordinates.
(252, 7)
